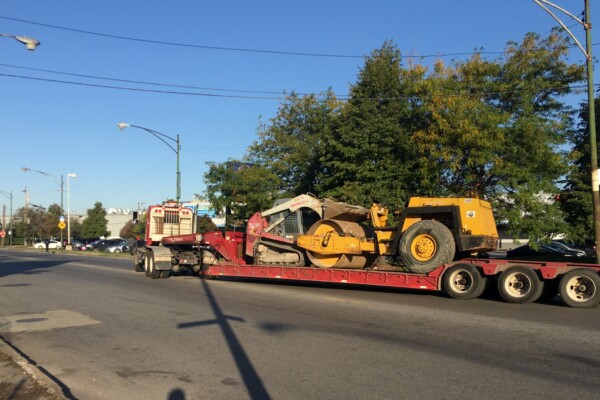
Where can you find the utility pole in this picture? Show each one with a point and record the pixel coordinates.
(592, 126)
(587, 52)
(26, 216)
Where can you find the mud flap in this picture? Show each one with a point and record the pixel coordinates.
(162, 258)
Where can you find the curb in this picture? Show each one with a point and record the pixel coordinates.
(31, 369)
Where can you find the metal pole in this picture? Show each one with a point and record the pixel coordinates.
(178, 172)
(62, 209)
(592, 127)
(26, 219)
(10, 232)
(68, 213)
(70, 175)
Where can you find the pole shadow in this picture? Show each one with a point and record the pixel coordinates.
(254, 384)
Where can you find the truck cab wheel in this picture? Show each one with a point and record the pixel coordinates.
(138, 261)
(151, 272)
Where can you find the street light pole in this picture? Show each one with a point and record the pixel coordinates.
(62, 191)
(587, 52)
(160, 136)
(9, 195)
(30, 43)
(70, 175)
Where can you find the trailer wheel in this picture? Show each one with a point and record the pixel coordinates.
(520, 285)
(151, 272)
(164, 274)
(463, 281)
(580, 288)
(426, 245)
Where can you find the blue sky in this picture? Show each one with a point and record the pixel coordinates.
(62, 128)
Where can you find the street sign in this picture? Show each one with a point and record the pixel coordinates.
(62, 225)
(61, 218)
(2, 233)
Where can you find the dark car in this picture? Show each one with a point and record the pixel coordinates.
(543, 252)
(589, 246)
(104, 244)
(567, 249)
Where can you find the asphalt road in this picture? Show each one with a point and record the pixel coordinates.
(105, 332)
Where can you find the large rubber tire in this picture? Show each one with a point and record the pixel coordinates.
(138, 261)
(426, 245)
(151, 272)
(520, 285)
(580, 288)
(463, 281)
(165, 274)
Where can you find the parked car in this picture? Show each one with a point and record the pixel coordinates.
(567, 249)
(589, 246)
(118, 248)
(52, 244)
(543, 252)
(77, 245)
(92, 245)
(104, 244)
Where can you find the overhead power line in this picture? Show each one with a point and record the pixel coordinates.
(199, 46)
(146, 82)
(240, 49)
(575, 88)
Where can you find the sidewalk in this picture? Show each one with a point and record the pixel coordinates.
(22, 380)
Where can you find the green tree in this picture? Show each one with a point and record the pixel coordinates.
(292, 144)
(241, 188)
(134, 229)
(369, 154)
(576, 196)
(95, 225)
(52, 219)
(498, 130)
(205, 224)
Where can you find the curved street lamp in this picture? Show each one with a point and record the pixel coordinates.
(30, 43)
(160, 136)
(61, 184)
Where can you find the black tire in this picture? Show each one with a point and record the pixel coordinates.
(426, 245)
(138, 262)
(580, 288)
(151, 272)
(520, 285)
(164, 274)
(464, 281)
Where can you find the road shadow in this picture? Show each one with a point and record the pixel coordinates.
(10, 265)
(254, 384)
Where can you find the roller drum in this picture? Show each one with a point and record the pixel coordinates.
(326, 227)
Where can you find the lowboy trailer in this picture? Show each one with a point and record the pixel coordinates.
(172, 246)
(517, 281)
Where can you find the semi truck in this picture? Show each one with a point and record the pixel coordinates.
(438, 244)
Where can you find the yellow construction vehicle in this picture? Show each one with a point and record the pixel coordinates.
(431, 232)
